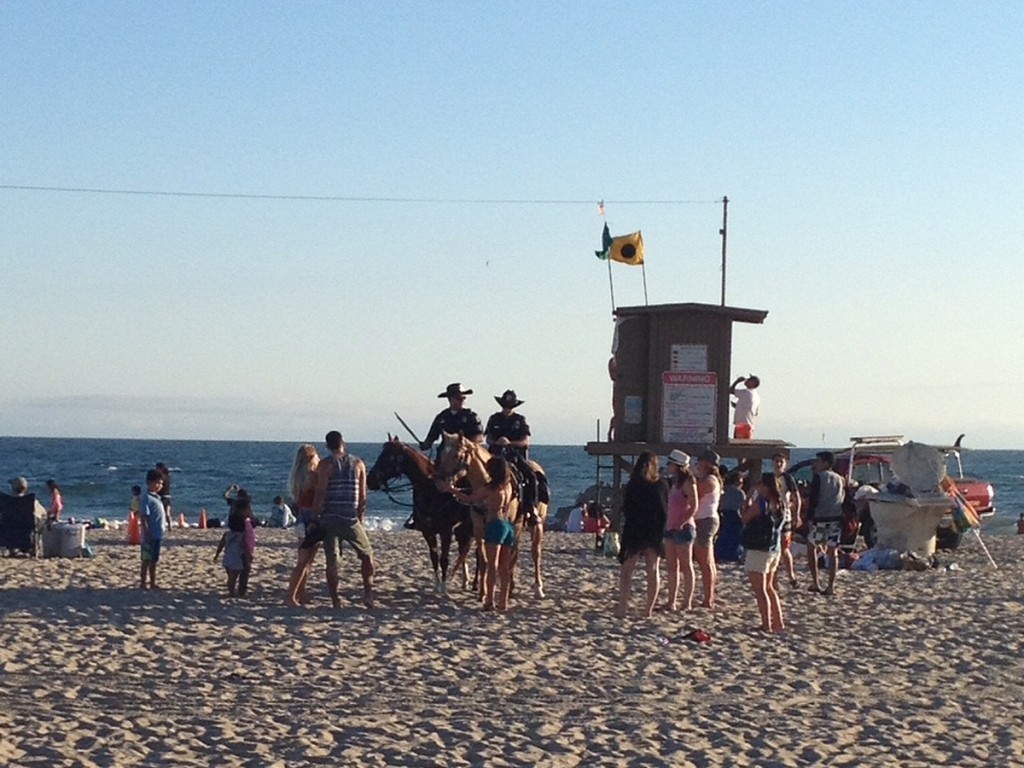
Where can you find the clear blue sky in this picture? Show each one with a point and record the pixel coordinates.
(873, 153)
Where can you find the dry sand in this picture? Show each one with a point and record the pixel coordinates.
(900, 668)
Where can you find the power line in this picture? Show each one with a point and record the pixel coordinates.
(340, 198)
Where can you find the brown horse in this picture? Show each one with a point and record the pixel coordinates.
(438, 516)
(463, 458)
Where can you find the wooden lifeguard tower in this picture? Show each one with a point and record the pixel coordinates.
(671, 371)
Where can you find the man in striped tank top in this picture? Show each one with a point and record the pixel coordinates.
(340, 506)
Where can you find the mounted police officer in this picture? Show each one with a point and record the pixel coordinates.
(507, 432)
(455, 418)
(508, 435)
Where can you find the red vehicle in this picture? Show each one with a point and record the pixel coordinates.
(866, 461)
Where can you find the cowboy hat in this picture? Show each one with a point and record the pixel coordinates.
(508, 399)
(455, 390)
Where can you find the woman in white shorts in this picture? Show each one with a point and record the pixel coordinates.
(763, 520)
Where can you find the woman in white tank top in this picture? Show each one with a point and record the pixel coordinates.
(709, 492)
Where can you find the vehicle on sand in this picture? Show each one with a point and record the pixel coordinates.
(867, 462)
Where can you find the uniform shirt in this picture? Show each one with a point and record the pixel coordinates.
(514, 427)
(463, 422)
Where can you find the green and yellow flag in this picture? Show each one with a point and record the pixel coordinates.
(626, 249)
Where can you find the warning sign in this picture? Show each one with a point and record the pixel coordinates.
(688, 406)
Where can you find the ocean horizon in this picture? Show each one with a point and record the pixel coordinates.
(96, 474)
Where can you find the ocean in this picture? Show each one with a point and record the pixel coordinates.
(96, 475)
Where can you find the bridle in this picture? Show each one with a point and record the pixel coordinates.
(462, 463)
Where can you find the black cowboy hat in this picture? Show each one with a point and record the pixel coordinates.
(455, 390)
(508, 399)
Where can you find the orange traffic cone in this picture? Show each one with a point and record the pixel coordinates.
(202, 518)
(181, 521)
(134, 528)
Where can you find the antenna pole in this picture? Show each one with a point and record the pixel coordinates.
(724, 232)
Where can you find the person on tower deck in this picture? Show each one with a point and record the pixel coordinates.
(747, 405)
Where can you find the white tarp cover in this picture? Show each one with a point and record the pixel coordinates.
(921, 467)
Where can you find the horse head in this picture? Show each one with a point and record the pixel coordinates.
(389, 465)
(453, 462)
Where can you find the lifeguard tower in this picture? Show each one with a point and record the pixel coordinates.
(671, 371)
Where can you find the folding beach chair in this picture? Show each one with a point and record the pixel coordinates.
(965, 518)
(18, 524)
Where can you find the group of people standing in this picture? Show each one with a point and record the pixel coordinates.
(329, 498)
(678, 519)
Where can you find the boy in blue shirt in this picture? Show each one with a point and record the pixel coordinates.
(153, 518)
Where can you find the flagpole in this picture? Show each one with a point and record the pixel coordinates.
(611, 286)
(643, 269)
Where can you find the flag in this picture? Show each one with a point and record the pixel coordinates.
(628, 249)
(606, 244)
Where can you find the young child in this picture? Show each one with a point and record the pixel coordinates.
(154, 524)
(238, 545)
(56, 501)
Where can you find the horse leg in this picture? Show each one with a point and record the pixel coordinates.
(431, 540)
(536, 541)
(463, 537)
(446, 544)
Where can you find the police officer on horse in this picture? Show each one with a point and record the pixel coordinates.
(508, 435)
(455, 418)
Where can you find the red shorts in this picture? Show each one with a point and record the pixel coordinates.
(742, 431)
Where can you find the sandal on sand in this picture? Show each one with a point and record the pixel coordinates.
(698, 636)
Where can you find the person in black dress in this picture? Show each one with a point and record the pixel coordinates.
(644, 506)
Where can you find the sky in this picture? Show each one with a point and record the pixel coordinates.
(382, 198)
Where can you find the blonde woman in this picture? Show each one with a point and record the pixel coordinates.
(302, 487)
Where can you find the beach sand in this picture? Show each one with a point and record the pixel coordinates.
(900, 668)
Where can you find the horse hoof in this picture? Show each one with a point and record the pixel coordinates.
(538, 591)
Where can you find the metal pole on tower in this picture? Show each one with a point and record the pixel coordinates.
(724, 232)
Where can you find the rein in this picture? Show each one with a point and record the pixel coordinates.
(388, 491)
